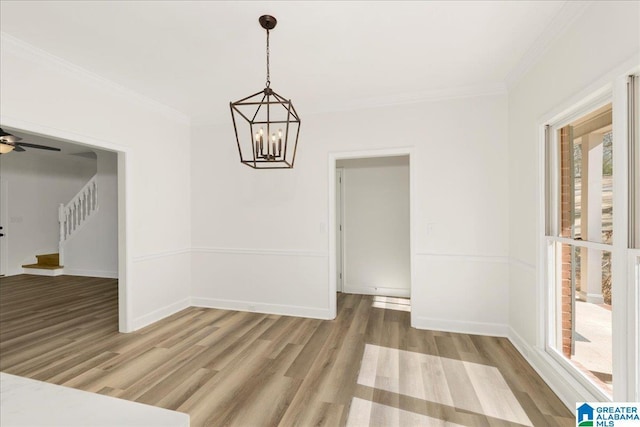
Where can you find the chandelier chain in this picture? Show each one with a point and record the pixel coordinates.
(268, 75)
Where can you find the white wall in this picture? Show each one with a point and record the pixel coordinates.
(376, 226)
(46, 95)
(260, 237)
(36, 184)
(93, 250)
(605, 36)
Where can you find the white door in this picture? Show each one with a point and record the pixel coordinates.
(339, 239)
(4, 209)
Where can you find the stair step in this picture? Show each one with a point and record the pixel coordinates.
(47, 265)
(43, 266)
(48, 259)
(43, 270)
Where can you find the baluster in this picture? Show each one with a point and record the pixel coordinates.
(83, 201)
(78, 210)
(61, 221)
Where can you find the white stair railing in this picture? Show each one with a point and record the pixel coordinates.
(74, 214)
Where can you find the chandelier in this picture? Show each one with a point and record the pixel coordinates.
(266, 124)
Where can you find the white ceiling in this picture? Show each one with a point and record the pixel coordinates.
(196, 56)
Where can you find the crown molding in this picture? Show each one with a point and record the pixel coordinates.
(570, 11)
(415, 97)
(398, 100)
(18, 47)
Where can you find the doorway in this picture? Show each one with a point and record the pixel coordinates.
(370, 249)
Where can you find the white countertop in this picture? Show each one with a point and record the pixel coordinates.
(27, 402)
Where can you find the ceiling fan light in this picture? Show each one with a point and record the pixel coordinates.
(6, 148)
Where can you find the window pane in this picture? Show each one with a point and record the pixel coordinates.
(586, 177)
(583, 312)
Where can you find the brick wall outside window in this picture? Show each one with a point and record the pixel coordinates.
(566, 221)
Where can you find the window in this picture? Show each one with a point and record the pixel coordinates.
(591, 267)
(580, 235)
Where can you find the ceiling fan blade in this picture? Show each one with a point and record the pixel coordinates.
(18, 149)
(41, 147)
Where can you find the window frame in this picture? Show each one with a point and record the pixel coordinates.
(626, 261)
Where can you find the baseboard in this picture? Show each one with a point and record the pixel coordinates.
(91, 273)
(464, 327)
(371, 290)
(563, 384)
(159, 314)
(283, 310)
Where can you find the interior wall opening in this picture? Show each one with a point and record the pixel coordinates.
(63, 212)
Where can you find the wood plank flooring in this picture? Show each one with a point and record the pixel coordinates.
(366, 367)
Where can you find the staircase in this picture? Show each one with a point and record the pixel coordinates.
(47, 265)
(72, 217)
(75, 214)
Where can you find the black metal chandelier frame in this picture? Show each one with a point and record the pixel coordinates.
(271, 111)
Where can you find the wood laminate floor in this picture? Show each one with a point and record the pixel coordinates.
(366, 367)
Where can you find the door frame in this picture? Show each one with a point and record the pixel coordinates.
(125, 186)
(340, 240)
(4, 220)
(344, 155)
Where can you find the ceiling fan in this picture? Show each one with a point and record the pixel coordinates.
(10, 143)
